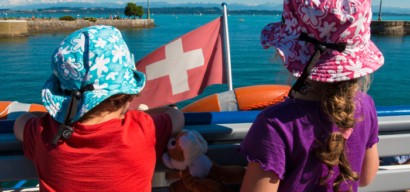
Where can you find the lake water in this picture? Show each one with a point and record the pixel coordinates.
(25, 62)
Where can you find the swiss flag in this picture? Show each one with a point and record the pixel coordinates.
(183, 68)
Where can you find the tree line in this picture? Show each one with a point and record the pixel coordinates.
(133, 10)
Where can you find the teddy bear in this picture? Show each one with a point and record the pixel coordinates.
(196, 171)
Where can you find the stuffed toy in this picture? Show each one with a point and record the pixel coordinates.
(197, 172)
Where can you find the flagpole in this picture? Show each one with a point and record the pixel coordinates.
(227, 48)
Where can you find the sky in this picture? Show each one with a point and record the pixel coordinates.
(388, 3)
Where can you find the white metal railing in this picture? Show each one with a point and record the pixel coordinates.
(224, 141)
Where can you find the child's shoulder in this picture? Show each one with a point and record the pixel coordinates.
(364, 99)
(44, 119)
(365, 96)
(282, 109)
(137, 115)
(290, 104)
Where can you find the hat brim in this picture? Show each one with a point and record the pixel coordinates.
(333, 66)
(56, 102)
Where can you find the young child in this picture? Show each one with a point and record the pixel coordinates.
(324, 136)
(89, 140)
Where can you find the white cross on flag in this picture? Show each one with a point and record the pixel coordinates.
(183, 68)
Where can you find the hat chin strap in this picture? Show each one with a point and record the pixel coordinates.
(65, 130)
(319, 49)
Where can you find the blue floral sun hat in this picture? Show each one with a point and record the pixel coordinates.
(95, 57)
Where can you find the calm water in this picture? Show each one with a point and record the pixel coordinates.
(25, 62)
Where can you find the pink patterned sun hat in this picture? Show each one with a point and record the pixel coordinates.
(327, 21)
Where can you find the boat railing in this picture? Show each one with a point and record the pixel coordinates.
(224, 132)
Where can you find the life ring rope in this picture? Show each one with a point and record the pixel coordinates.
(5, 111)
(262, 105)
(247, 98)
(13, 109)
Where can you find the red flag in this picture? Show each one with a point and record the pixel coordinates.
(183, 68)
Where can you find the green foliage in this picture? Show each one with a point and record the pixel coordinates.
(67, 18)
(140, 11)
(133, 10)
(92, 19)
(130, 9)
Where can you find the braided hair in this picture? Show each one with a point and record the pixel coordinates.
(338, 104)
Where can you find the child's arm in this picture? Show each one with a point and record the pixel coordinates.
(166, 127)
(20, 123)
(370, 166)
(257, 179)
(176, 115)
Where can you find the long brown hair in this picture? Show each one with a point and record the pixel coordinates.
(338, 102)
(112, 103)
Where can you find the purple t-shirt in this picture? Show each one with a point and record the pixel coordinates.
(282, 139)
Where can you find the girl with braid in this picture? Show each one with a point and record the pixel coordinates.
(324, 136)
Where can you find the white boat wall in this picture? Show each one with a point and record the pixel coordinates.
(224, 132)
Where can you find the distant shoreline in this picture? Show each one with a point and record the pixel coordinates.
(73, 11)
(11, 28)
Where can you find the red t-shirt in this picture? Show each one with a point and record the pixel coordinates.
(116, 155)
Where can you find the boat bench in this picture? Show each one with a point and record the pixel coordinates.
(224, 132)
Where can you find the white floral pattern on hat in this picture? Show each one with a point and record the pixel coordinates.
(95, 55)
(328, 21)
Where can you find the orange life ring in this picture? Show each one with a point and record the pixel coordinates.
(13, 109)
(240, 99)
